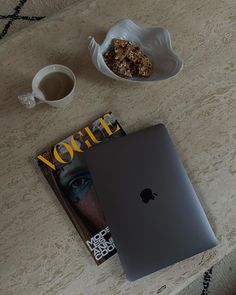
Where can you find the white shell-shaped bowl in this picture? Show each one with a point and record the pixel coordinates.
(154, 42)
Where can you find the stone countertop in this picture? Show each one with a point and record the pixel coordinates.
(40, 250)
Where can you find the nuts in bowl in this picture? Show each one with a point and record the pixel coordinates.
(126, 59)
(135, 54)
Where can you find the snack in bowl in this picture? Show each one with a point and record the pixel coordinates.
(155, 42)
(126, 59)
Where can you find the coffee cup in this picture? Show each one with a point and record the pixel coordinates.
(53, 85)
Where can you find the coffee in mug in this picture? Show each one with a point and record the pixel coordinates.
(54, 85)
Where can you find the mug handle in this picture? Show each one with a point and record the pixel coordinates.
(28, 100)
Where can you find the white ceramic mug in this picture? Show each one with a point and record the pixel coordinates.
(30, 100)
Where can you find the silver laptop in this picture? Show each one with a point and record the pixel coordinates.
(153, 212)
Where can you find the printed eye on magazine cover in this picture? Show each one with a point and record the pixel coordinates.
(65, 169)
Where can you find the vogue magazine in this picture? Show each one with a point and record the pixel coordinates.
(64, 167)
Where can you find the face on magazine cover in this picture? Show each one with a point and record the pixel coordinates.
(77, 186)
(76, 182)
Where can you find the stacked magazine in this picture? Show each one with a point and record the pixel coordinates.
(64, 167)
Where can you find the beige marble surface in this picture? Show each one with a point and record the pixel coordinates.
(40, 251)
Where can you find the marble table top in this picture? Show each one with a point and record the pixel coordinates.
(40, 250)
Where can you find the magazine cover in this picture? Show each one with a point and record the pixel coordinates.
(64, 167)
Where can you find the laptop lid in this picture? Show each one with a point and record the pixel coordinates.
(153, 212)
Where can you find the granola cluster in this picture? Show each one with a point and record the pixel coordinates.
(126, 59)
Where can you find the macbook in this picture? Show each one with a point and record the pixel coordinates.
(153, 212)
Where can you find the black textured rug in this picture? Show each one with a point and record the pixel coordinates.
(206, 281)
(17, 17)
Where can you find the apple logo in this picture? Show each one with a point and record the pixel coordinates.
(147, 195)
